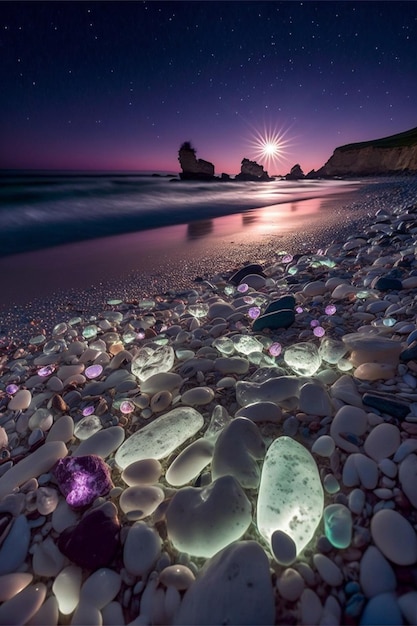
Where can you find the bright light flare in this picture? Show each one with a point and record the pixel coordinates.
(270, 147)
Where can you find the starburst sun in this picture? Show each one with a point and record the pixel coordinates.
(270, 147)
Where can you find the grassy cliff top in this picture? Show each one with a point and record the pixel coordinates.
(401, 140)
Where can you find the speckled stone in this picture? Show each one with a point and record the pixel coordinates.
(82, 479)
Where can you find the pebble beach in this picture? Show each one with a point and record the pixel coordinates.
(233, 443)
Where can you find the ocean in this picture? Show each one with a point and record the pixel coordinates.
(38, 211)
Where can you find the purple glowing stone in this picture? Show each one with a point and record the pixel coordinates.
(127, 407)
(314, 323)
(82, 479)
(93, 371)
(275, 349)
(248, 300)
(88, 410)
(287, 258)
(11, 389)
(330, 309)
(254, 312)
(319, 331)
(46, 371)
(299, 309)
(243, 288)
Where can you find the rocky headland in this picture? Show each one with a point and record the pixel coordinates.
(393, 154)
(396, 154)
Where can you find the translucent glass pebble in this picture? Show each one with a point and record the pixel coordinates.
(93, 371)
(332, 350)
(290, 494)
(12, 389)
(319, 331)
(303, 358)
(338, 525)
(158, 439)
(149, 362)
(46, 371)
(330, 309)
(37, 340)
(59, 329)
(90, 331)
(224, 345)
(129, 336)
(87, 426)
(254, 312)
(245, 344)
(54, 347)
(198, 310)
(114, 301)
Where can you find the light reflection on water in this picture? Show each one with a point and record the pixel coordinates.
(82, 264)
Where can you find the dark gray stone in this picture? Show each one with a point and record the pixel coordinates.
(94, 541)
(386, 404)
(286, 302)
(410, 354)
(386, 283)
(279, 319)
(252, 268)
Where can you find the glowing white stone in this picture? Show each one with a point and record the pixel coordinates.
(290, 495)
(149, 362)
(161, 437)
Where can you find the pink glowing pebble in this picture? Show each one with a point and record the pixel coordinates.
(93, 371)
(330, 309)
(243, 288)
(89, 410)
(287, 258)
(127, 407)
(275, 349)
(314, 323)
(254, 312)
(248, 300)
(141, 334)
(299, 309)
(11, 389)
(46, 371)
(319, 331)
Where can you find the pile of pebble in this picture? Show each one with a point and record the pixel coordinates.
(132, 447)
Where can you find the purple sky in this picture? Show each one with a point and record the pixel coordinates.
(120, 85)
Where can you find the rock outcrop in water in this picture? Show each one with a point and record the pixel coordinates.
(193, 168)
(250, 170)
(296, 173)
(393, 154)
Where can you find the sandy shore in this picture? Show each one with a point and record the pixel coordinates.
(314, 356)
(42, 288)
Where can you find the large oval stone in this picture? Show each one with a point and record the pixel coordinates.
(290, 495)
(161, 437)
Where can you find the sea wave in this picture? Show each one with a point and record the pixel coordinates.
(42, 211)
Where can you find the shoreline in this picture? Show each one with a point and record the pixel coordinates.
(352, 405)
(143, 264)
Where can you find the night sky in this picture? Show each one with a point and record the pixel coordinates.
(120, 85)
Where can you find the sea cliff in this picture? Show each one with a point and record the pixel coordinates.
(394, 154)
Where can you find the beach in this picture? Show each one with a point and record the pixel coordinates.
(165, 365)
